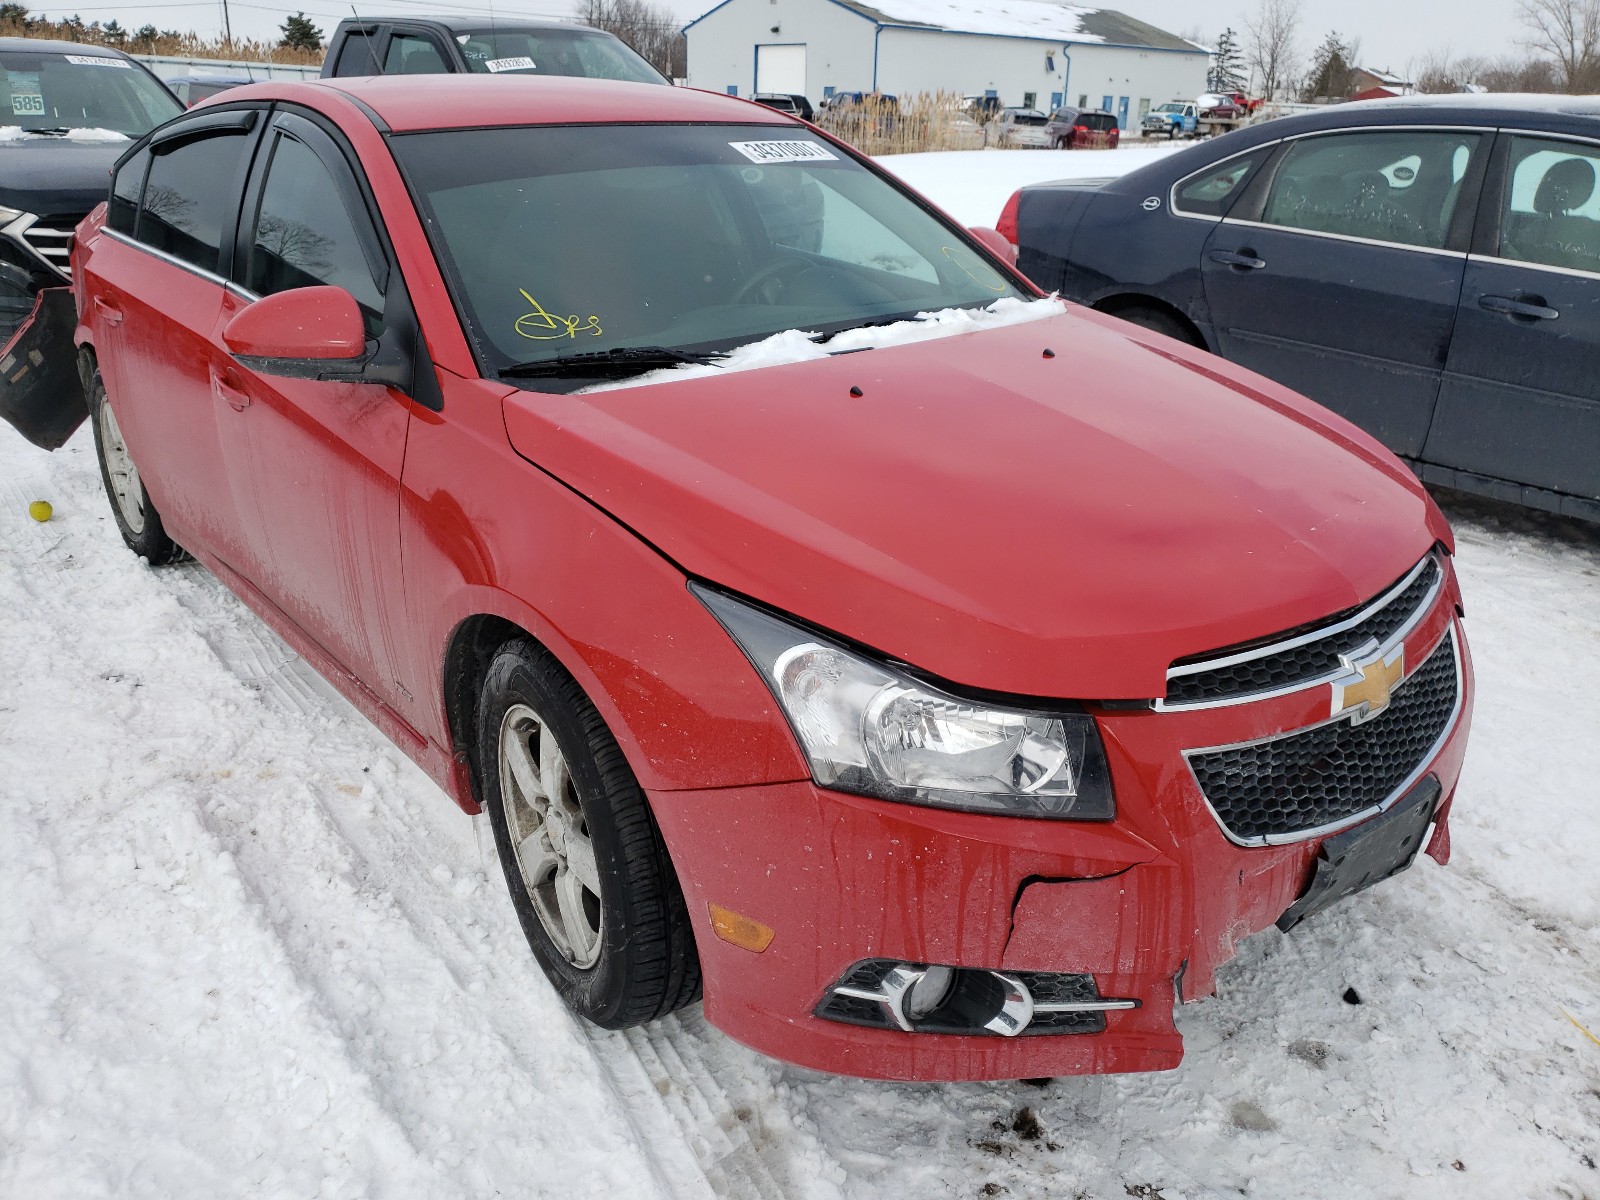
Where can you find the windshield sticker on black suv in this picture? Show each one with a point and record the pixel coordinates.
(782, 152)
(85, 60)
(496, 65)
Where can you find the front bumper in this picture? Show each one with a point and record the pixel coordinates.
(1150, 904)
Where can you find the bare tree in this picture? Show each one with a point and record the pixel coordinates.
(653, 32)
(1569, 32)
(1271, 44)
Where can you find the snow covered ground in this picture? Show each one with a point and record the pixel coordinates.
(246, 949)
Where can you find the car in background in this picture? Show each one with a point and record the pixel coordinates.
(1427, 267)
(794, 104)
(67, 113)
(1083, 129)
(480, 45)
(191, 89)
(1021, 129)
(491, 401)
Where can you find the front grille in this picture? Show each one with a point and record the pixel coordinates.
(1334, 774)
(1300, 658)
(51, 239)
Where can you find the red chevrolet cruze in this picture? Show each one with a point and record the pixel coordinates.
(948, 686)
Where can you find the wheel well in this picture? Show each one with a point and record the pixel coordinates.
(1118, 306)
(472, 646)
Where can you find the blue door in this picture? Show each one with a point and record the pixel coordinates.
(1122, 114)
(1105, 103)
(1519, 399)
(1344, 280)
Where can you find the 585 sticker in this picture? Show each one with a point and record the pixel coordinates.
(782, 152)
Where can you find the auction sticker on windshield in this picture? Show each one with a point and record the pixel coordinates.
(496, 65)
(780, 152)
(26, 99)
(87, 60)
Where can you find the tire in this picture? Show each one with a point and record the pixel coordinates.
(1161, 322)
(588, 872)
(137, 518)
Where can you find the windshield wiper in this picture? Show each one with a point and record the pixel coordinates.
(623, 360)
(51, 130)
(875, 323)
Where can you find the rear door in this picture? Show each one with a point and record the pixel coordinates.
(1342, 277)
(1521, 394)
(155, 298)
(320, 460)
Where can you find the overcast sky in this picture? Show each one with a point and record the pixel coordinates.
(1393, 33)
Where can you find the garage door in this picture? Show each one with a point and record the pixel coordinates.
(781, 69)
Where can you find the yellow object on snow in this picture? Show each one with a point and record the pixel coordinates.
(40, 510)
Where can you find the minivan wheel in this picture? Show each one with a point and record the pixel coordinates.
(587, 870)
(137, 519)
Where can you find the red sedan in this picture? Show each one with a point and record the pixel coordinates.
(949, 693)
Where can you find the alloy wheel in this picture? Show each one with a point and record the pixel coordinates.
(122, 475)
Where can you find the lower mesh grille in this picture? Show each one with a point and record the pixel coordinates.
(1306, 781)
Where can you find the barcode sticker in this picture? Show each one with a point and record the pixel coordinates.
(782, 152)
(86, 60)
(496, 65)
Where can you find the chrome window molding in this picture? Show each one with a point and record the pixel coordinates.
(1405, 785)
(208, 276)
(1424, 607)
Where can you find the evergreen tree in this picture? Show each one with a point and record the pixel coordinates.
(114, 33)
(300, 34)
(1227, 65)
(1332, 70)
(146, 35)
(13, 14)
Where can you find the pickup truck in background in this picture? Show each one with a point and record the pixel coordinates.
(1210, 114)
(480, 45)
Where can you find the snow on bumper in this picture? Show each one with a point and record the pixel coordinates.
(1149, 905)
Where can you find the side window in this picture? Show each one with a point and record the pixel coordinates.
(1551, 211)
(191, 197)
(1398, 186)
(305, 235)
(359, 54)
(412, 54)
(1212, 192)
(125, 189)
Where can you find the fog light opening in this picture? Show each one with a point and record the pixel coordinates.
(929, 992)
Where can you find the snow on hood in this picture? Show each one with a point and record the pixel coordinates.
(15, 133)
(797, 345)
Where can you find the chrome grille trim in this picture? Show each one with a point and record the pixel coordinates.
(1453, 638)
(1267, 650)
(46, 238)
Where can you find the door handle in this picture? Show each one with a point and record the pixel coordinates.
(110, 313)
(1530, 308)
(223, 390)
(1244, 260)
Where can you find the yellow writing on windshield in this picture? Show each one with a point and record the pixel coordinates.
(959, 258)
(542, 326)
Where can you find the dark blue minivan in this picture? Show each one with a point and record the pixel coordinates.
(1427, 267)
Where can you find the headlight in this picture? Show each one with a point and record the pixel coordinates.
(869, 728)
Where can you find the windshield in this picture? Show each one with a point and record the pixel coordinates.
(582, 52)
(588, 239)
(1170, 108)
(81, 91)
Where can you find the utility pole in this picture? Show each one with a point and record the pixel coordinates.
(227, 25)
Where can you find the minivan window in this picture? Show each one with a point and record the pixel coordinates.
(1398, 186)
(192, 196)
(305, 235)
(582, 52)
(57, 92)
(1551, 211)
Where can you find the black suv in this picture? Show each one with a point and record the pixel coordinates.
(67, 113)
(479, 45)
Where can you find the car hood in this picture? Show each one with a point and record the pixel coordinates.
(50, 176)
(1059, 526)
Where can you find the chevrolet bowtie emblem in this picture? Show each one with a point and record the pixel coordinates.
(1364, 691)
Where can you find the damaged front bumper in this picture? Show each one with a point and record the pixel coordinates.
(41, 390)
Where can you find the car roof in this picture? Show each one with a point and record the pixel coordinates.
(408, 103)
(46, 46)
(462, 24)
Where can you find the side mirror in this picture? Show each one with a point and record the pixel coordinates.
(996, 242)
(304, 333)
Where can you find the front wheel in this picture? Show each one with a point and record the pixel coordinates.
(588, 872)
(137, 518)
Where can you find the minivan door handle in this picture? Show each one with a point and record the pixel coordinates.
(1530, 308)
(1244, 260)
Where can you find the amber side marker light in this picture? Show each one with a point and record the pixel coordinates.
(740, 931)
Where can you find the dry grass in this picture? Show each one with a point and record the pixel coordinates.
(926, 121)
(179, 45)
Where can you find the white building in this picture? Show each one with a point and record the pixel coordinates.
(1028, 52)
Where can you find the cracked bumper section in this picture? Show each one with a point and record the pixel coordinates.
(41, 393)
(1149, 904)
